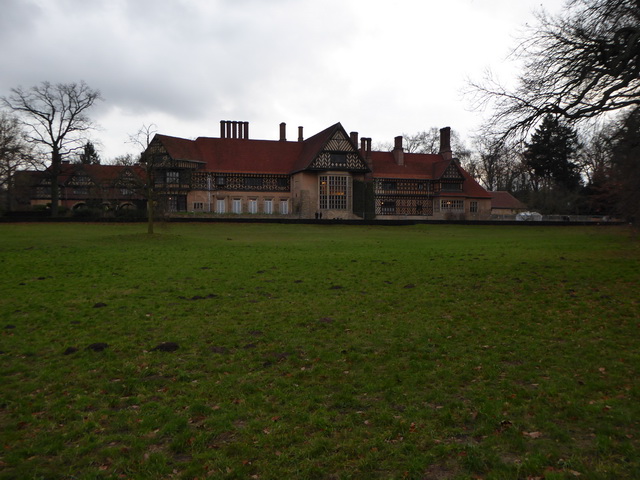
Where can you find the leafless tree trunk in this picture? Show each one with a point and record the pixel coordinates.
(142, 138)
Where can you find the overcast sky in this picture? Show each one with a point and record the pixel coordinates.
(382, 68)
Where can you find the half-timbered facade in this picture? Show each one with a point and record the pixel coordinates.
(330, 175)
(107, 187)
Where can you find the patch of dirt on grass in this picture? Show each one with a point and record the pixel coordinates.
(219, 350)
(440, 472)
(98, 347)
(166, 347)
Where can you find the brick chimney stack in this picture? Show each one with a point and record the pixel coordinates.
(398, 151)
(365, 150)
(445, 143)
(354, 138)
(300, 135)
(283, 132)
(234, 129)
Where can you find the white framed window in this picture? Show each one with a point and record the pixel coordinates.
(284, 207)
(236, 205)
(221, 205)
(268, 206)
(198, 205)
(335, 192)
(452, 205)
(473, 207)
(253, 205)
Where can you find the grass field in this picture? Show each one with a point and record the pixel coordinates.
(329, 352)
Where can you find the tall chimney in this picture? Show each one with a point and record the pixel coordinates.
(228, 129)
(365, 151)
(234, 126)
(445, 143)
(300, 136)
(354, 138)
(222, 127)
(245, 134)
(283, 132)
(398, 151)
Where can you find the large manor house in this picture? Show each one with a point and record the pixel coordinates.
(331, 175)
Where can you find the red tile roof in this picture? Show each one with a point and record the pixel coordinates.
(233, 155)
(423, 166)
(503, 199)
(416, 165)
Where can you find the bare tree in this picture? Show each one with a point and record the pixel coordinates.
(496, 165)
(56, 119)
(578, 65)
(126, 160)
(15, 154)
(142, 139)
(429, 142)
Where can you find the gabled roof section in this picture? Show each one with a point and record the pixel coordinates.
(236, 155)
(423, 166)
(177, 148)
(331, 140)
(98, 174)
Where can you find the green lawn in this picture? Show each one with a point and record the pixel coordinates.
(329, 352)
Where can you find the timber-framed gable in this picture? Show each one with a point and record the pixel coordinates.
(338, 154)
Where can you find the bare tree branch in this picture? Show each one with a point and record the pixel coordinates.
(578, 65)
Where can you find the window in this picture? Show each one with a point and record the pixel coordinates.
(388, 207)
(253, 181)
(220, 205)
(473, 207)
(452, 205)
(283, 182)
(173, 177)
(338, 159)
(198, 205)
(221, 181)
(253, 205)
(334, 192)
(452, 187)
(79, 190)
(387, 185)
(284, 207)
(268, 206)
(236, 205)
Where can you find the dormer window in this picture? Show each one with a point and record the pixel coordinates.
(339, 159)
(452, 187)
